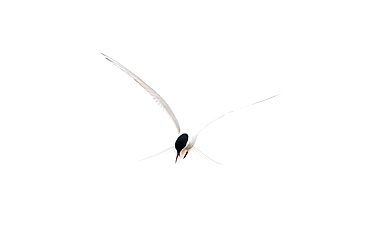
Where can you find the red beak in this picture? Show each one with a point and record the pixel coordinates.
(177, 155)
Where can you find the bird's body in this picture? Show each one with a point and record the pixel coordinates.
(185, 141)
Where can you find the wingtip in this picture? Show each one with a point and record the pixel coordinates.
(106, 57)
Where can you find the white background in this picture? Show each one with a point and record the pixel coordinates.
(296, 167)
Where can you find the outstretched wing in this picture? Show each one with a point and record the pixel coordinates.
(206, 124)
(150, 90)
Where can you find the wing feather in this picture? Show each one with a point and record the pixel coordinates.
(206, 124)
(150, 90)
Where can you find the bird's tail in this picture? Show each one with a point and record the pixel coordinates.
(205, 156)
(160, 153)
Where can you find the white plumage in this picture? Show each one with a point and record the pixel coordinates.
(184, 142)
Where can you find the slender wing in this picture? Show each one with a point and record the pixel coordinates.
(205, 125)
(150, 90)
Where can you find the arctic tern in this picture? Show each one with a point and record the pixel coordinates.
(185, 142)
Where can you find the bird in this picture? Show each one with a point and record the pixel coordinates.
(184, 142)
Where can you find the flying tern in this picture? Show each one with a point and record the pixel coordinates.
(184, 142)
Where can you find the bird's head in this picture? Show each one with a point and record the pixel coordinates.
(180, 144)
